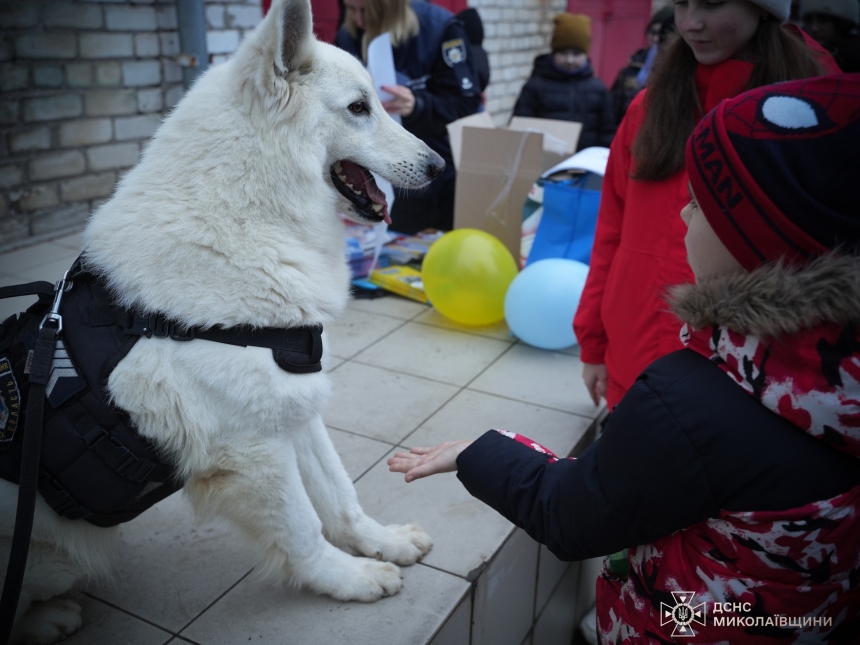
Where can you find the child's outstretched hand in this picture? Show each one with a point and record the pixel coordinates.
(420, 462)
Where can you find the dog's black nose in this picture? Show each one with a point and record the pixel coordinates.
(435, 167)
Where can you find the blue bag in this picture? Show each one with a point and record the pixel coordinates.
(569, 219)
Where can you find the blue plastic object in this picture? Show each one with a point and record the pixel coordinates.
(569, 220)
(542, 300)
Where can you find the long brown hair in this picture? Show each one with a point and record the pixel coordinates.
(672, 106)
(394, 16)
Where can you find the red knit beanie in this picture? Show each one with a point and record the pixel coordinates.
(776, 170)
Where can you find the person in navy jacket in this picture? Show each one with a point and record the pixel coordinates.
(436, 84)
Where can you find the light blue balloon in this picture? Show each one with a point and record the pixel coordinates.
(541, 302)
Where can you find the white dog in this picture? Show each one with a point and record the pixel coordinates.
(230, 218)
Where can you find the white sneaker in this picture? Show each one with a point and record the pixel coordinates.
(588, 626)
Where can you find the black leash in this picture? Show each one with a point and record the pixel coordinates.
(40, 288)
(40, 372)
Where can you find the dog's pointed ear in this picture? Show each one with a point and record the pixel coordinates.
(295, 34)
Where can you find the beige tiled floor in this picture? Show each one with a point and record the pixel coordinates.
(403, 375)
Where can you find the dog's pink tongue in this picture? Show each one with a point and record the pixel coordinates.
(378, 197)
(363, 183)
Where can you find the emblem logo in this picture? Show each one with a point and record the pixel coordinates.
(454, 52)
(683, 614)
(10, 402)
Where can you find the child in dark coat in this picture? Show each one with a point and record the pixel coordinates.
(731, 468)
(563, 85)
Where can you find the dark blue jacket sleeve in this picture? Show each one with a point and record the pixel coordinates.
(628, 488)
(683, 443)
(452, 91)
(528, 102)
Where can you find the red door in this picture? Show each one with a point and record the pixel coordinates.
(617, 30)
(326, 15)
(454, 6)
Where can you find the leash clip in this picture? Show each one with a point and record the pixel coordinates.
(54, 316)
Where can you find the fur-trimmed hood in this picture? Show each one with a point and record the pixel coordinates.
(774, 300)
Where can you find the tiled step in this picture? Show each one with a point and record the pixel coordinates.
(402, 376)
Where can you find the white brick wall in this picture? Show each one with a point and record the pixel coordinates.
(82, 132)
(56, 164)
(227, 23)
(136, 127)
(120, 18)
(141, 73)
(42, 46)
(113, 155)
(100, 45)
(30, 140)
(67, 15)
(150, 100)
(515, 31)
(224, 41)
(84, 85)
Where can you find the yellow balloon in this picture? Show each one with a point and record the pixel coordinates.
(466, 274)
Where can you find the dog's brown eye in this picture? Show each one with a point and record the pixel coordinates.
(358, 107)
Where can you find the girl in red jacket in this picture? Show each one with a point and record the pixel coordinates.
(731, 468)
(722, 49)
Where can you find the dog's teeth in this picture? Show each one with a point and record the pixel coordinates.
(350, 186)
(342, 178)
(377, 207)
(337, 168)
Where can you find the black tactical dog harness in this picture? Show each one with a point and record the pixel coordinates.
(94, 464)
(81, 452)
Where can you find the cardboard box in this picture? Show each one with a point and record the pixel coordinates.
(496, 167)
(559, 137)
(559, 142)
(455, 132)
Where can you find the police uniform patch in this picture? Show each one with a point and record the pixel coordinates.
(10, 402)
(454, 52)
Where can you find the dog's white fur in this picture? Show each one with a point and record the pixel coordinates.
(230, 219)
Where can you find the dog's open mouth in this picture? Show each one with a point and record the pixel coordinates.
(357, 184)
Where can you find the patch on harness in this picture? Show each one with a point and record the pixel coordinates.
(64, 381)
(10, 402)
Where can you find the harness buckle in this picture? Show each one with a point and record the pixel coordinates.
(187, 335)
(139, 326)
(130, 465)
(159, 325)
(61, 500)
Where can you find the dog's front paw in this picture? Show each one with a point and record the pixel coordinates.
(48, 622)
(408, 544)
(371, 581)
(346, 577)
(402, 544)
